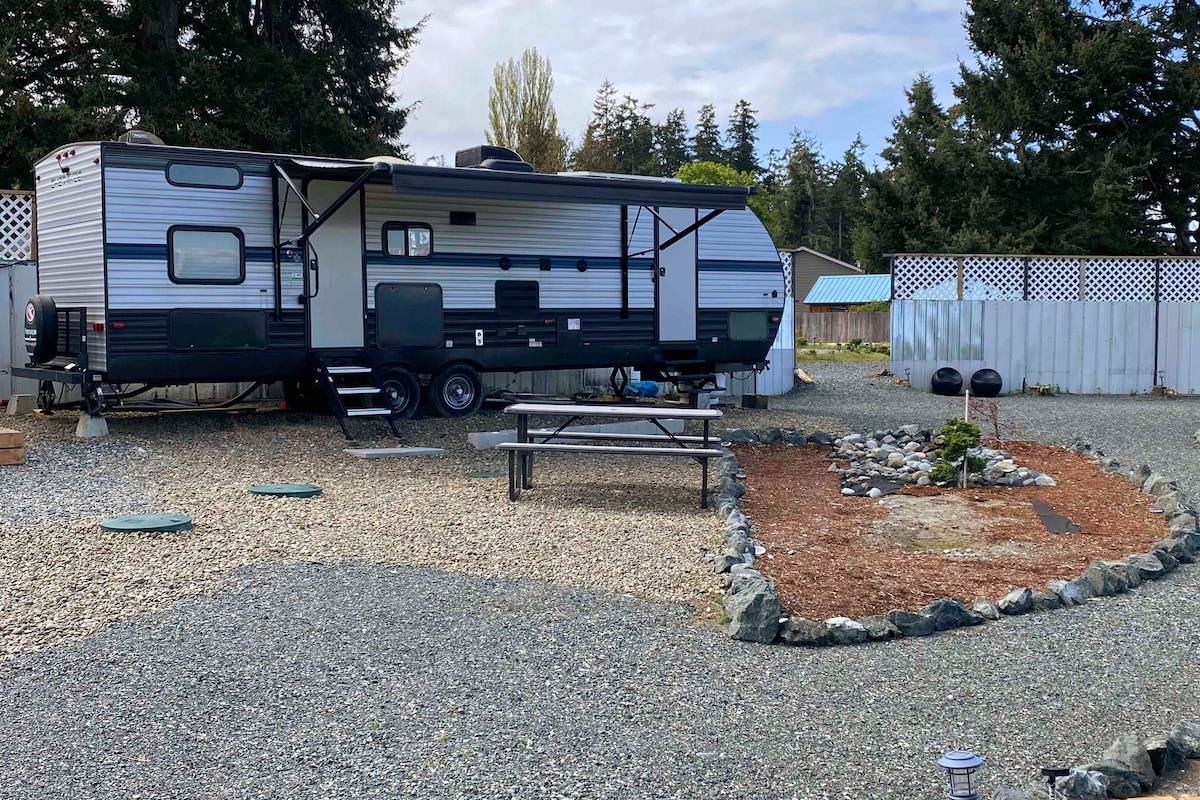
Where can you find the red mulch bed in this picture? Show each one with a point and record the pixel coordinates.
(831, 555)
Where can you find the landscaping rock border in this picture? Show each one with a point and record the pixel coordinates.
(1129, 767)
(752, 603)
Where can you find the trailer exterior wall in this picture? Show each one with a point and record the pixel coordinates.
(70, 236)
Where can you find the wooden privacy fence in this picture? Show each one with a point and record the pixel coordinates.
(844, 326)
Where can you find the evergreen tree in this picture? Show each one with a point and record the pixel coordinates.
(671, 144)
(801, 198)
(633, 145)
(741, 137)
(596, 148)
(706, 142)
(521, 113)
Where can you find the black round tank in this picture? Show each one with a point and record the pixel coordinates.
(986, 383)
(947, 381)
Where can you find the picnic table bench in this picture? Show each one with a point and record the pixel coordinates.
(665, 444)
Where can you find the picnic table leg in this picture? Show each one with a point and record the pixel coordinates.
(526, 459)
(513, 492)
(704, 481)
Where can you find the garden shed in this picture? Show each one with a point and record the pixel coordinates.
(808, 266)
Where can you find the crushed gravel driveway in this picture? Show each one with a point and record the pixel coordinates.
(388, 645)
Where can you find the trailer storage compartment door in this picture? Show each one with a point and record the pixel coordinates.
(676, 295)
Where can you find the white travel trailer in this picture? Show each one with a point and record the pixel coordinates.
(379, 282)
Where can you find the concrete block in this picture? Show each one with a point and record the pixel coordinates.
(90, 427)
(20, 404)
(394, 452)
(486, 440)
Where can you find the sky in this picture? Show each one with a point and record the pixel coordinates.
(831, 67)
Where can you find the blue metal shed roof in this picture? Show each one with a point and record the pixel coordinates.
(832, 290)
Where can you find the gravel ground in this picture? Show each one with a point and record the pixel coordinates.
(318, 681)
(348, 679)
(623, 526)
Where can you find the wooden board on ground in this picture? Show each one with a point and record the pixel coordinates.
(394, 452)
(12, 447)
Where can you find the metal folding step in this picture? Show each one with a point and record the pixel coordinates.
(352, 391)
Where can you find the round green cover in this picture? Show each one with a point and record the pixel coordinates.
(286, 489)
(149, 522)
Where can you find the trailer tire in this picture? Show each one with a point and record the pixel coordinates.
(456, 391)
(41, 329)
(401, 391)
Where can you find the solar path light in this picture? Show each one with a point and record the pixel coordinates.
(960, 766)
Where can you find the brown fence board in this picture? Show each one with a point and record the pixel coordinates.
(844, 326)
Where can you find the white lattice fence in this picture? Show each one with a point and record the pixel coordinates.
(789, 285)
(16, 225)
(1058, 279)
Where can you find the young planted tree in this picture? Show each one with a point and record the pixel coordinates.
(959, 437)
(521, 113)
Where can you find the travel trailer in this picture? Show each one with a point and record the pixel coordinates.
(378, 282)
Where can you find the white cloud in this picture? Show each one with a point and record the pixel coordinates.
(789, 58)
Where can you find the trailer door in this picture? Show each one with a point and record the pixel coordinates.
(676, 291)
(337, 298)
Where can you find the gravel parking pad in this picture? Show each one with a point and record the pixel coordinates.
(357, 681)
(629, 525)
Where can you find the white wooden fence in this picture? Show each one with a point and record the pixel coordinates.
(1112, 325)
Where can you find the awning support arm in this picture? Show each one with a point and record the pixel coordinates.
(688, 231)
(319, 219)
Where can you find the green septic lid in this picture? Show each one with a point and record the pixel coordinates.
(286, 489)
(148, 523)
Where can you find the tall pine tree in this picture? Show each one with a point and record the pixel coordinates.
(741, 137)
(596, 151)
(671, 144)
(706, 141)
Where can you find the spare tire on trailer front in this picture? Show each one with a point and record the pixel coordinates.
(41, 329)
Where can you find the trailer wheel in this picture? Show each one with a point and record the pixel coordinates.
(401, 391)
(456, 391)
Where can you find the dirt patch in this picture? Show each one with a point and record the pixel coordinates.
(833, 555)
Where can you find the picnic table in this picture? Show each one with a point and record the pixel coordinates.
(665, 444)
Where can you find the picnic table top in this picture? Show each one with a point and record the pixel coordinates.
(633, 411)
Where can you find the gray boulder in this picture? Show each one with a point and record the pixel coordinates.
(1018, 601)
(1178, 549)
(1139, 474)
(878, 628)
(910, 624)
(1132, 577)
(805, 633)
(724, 562)
(1148, 566)
(1128, 749)
(1168, 502)
(770, 435)
(1123, 780)
(1157, 485)
(1102, 579)
(1074, 592)
(1168, 561)
(1187, 736)
(1046, 601)
(985, 608)
(1182, 522)
(1082, 784)
(820, 437)
(1166, 754)
(948, 613)
(752, 606)
(846, 631)
(795, 437)
(740, 436)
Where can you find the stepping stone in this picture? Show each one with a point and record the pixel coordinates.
(286, 489)
(394, 452)
(148, 523)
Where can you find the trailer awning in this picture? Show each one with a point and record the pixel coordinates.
(499, 185)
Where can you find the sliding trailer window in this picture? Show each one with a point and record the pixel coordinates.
(206, 255)
(407, 240)
(204, 176)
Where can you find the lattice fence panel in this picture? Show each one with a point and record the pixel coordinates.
(993, 277)
(1053, 278)
(924, 277)
(1119, 279)
(1179, 281)
(789, 285)
(16, 226)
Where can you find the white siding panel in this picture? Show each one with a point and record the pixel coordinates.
(736, 236)
(741, 289)
(70, 237)
(141, 206)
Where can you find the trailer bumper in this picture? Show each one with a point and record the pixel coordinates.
(56, 375)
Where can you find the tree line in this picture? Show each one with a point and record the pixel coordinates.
(300, 76)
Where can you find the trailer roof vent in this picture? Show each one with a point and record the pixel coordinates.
(487, 156)
(139, 137)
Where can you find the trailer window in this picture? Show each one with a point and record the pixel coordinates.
(205, 176)
(206, 255)
(407, 240)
